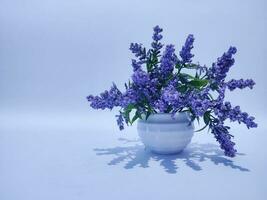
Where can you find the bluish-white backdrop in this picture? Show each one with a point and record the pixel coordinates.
(54, 53)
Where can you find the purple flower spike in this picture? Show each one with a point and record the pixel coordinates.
(156, 45)
(241, 84)
(120, 121)
(218, 71)
(185, 53)
(157, 36)
(107, 99)
(138, 50)
(140, 77)
(222, 135)
(171, 96)
(136, 65)
(168, 60)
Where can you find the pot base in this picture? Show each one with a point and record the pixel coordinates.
(165, 152)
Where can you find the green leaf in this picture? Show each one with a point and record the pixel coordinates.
(148, 114)
(129, 108)
(129, 83)
(188, 76)
(197, 75)
(202, 128)
(182, 88)
(206, 117)
(197, 117)
(183, 78)
(198, 83)
(135, 117)
(178, 66)
(191, 66)
(127, 112)
(214, 86)
(126, 116)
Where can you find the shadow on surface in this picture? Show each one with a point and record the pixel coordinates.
(137, 156)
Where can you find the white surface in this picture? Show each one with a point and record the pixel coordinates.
(75, 157)
(161, 133)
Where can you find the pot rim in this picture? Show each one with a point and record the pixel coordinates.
(180, 117)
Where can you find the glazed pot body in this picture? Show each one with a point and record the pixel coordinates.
(163, 134)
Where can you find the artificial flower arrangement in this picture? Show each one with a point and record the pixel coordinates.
(160, 84)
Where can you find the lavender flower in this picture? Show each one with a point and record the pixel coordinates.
(222, 135)
(199, 106)
(170, 99)
(225, 111)
(120, 121)
(156, 35)
(198, 102)
(161, 105)
(138, 50)
(136, 65)
(236, 114)
(171, 96)
(221, 91)
(168, 60)
(107, 99)
(156, 45)
(129, 97)
(185, 53)
(218, 71)
(140, 77)
(241, 84)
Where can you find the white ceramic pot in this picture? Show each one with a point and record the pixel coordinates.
(162, 134)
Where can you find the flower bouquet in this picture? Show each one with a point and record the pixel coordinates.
(163, 82)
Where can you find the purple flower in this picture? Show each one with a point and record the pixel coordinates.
(120, 121)
(248, 120)
(241, 84)
(138, 50)
(222, 135)
(145, 87)
(157, 36)
(185, 53)
(107, 99)
(199, 102)
(221, 90)
(218, 71)
(235, 114)
(199, 106)
(148, 93)
(129, 97)
(136, 65)
(156, 45)
(221, 110)
(171, 96)
(140, 77)
(168, 61)
(225, 111)
(161, 105)
(170, 99)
